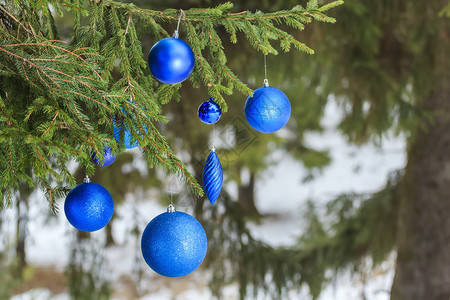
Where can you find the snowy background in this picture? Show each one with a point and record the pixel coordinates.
(280, 192)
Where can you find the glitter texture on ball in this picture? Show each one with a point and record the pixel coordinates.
(89, 207)
(174, 244)
(268, 110)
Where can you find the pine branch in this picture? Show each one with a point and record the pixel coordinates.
(220, 16)
(59, 101)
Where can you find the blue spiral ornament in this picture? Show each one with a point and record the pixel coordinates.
(212, 177)
(174, 244)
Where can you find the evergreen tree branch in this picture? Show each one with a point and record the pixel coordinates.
(60, 100)
(15, 20)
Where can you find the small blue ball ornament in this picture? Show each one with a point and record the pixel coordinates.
(89, 206)
(109, 158)
(209, 112)
(171, 60)
(174, 243)
(268, 110)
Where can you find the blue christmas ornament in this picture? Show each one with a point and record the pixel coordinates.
(268, 110)
(209, 112)
(212, 177)
(128, 139)
(171, 60)
(89, 206)
(174, 243)
(109, 158)
(129, 142)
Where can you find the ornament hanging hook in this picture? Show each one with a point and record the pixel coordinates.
(86, 178)
(266, 81)
(170, 208)
(180, 14)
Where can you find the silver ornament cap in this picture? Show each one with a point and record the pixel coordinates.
(171, 208)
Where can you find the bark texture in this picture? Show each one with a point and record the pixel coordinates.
(21, 229)
(423, 242)
(246, 197)
(423, 231)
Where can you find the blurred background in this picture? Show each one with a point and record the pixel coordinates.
(306, 213)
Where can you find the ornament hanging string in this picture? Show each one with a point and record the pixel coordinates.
(213, 136)
(266, 81)
(170, 192)
(181, 13)
(170, 188)
(86, 178)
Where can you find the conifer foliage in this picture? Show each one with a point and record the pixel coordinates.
(59, 99)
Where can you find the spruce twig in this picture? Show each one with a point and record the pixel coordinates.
(74, 90)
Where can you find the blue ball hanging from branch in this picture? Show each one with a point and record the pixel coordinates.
(209, 112)
(212, 177)
(108, 157)
(171, 60)
(174, 244)
(268, 110)
(89, 206)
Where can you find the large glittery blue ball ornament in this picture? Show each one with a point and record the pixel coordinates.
(209, 112)
(171, 60)
(89, 207)
(174, 244)
(212, 177)
(268, 110)
(109, 158)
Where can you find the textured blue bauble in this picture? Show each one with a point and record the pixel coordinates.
(212, 177)
(127, 137)
(174, 244)
(268, 110)
(89, 207)
(209, 112)
(109, 158)
(171, 60)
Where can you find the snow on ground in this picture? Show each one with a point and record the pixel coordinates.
(353, 169)
(280, 190)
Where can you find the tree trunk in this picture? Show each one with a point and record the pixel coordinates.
(246, 197)
(423, 232)
(21, 227)
(109, 235)
(83, 235)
